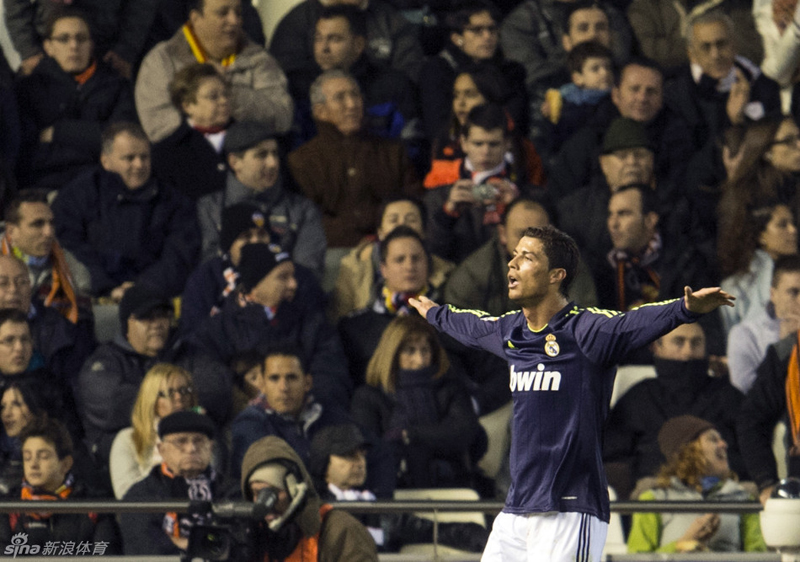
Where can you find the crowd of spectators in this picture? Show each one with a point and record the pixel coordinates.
(257, 216)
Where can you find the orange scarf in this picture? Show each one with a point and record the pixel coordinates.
(84, 76)
(61, 293)
(197, 49)
(793, 397)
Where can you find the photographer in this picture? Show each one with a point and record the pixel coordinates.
(299, 526)
(466, 197)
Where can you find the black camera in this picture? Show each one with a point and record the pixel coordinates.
(214, 540)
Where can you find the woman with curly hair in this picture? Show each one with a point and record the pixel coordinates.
(756, 222)
(697, 470)
(165, 389)
(413, 404)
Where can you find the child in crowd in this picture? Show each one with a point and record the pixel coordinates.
(569, 107)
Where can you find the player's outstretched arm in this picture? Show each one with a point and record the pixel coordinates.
(422, 304)
(706, 300)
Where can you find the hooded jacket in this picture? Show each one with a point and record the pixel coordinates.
(340, 536)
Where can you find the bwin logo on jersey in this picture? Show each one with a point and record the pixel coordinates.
(538, 380)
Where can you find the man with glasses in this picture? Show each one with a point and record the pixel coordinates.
(185, 474)
(66, 101)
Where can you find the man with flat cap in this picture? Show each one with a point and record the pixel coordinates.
(255, 177)
(264, 311)
(110, 378)
(185, 440)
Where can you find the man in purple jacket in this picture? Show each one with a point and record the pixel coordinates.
(562, 365)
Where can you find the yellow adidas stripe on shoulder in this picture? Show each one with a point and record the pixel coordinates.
(659, 303)
(478, 313)
(603, 312)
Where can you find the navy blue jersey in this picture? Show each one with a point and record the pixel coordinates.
(561, 378)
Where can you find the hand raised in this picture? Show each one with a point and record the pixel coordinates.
(706, 300)
(422, 305)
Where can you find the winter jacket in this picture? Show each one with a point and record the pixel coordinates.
(117, 25)
(258, 87)
(238, 328)
(659, 532)
(77, 528)
(143, 533)
(391, 40)
(456, 438)
(148, 235)
(763, 407)
(50, 97)
(210, 284)
(348, 178)
(291, 216)
(680, 388)
(110, 379)
(256, 421)
(341, 536)
(187, 161)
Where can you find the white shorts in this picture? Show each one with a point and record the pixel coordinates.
(546, 537)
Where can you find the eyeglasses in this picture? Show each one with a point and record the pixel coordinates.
(199, 442)
(788, 141)
(481, 29)
(17, 283)
(79, 38)
(182, 391)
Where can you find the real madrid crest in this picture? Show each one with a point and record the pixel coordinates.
(551, 346)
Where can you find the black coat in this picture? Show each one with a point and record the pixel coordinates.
(62, 527)
(187, 161)
(50, 97)
(142, 533)
(149, 235)
(456, 438)
(765, 406)
(110, 379)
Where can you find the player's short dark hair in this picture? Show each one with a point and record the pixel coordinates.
(400, 231)
(50, 430)
(111, 132)
(639, 61)
(458, 18)
(64, 12)
(573, 7)
(649, 200)
(183, 88)
(785, 264)
(12, 214)
(487, 116)
(579, 54)
(286, 349)
(561, 251)
(355, 16)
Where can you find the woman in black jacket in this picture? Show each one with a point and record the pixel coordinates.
(423, 414)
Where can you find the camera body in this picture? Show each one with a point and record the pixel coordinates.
(484, 191)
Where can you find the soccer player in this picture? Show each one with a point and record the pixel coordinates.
(562, 365)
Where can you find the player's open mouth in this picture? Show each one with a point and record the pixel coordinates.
(512, 282)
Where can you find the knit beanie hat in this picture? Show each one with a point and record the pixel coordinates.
(271, 473)
(678, 431)
(257, 261)
(241, 218)
(624, 133)
(186, 421)
(139, 301)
